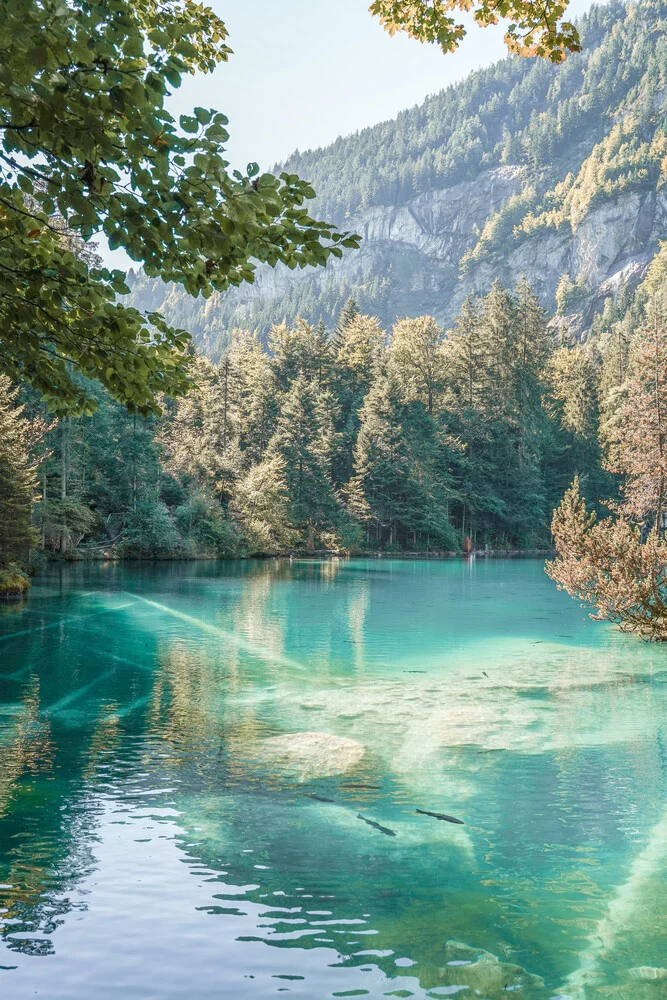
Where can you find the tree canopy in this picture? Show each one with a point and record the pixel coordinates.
(87, 146)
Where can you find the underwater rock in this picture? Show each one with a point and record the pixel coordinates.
(636, 990)
(647, 972)
(485, 974)
(311, 755)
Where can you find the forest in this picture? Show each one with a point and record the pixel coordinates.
(350, 440)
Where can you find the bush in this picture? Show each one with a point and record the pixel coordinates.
(202, 522)
(13, 582)
(150, 532)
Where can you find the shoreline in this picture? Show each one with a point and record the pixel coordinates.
(437, 555)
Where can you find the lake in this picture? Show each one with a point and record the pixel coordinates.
(210, 777)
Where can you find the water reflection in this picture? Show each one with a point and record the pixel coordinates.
(190, 756)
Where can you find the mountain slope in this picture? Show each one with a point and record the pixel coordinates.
(555, 172)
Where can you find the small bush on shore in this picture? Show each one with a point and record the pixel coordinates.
(13, 582)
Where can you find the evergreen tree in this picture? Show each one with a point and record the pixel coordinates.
(572, 401)
(347, 314)
(256, 396)
(395, 487)
(260, 507)
(199, 440)
(302, 441)
(417, 356)
(18, 480)
(359, 349)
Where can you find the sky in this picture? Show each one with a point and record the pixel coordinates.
(306, 71)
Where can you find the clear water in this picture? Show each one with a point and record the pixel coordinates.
(163, 833)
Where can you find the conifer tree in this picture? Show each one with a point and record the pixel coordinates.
(18, 480)
(199, 441)
(302, 441)
(360, 347)
(260, 507)
(416, 353)
(466, 359)
(348, 313)
(256, 396)
(618, 564)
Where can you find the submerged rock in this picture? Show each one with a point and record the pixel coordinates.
(485, 975)
(311, 755)
(647, 972)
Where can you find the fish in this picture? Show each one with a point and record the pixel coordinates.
(449, 819)
(376, 826)
(375, 788)
(485, 673)
(319, 798)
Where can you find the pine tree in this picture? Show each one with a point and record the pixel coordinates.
(302, 441)
(466, 358)
(399, 487)
(199, 440)
(348, 313)
(256, 395)
(360, 347)
(18, 479)
(286, 355)
(416, 353)
(640, 455)
(260, 506)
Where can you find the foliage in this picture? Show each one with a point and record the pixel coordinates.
(535, 29)
(13, 582)
(607, 564)
(88, 147)
(260, 507)
(150, 531)
(362, 439)
(64, 522)
(619, 564)
(208, 532)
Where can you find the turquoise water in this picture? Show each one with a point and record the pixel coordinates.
(168, 831)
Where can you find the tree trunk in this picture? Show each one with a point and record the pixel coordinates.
(42, 537)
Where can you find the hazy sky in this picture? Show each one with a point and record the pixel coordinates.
(305, 71)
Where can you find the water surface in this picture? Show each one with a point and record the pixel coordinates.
(166, 832)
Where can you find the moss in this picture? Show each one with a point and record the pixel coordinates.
(13, 582)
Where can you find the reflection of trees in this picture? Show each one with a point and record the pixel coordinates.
(49, 824)
(28, 749)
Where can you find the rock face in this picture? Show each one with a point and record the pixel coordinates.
(413, 252)
(417, 248)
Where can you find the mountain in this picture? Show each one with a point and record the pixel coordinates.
(526, 168)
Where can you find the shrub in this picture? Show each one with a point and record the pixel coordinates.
(13, 582)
